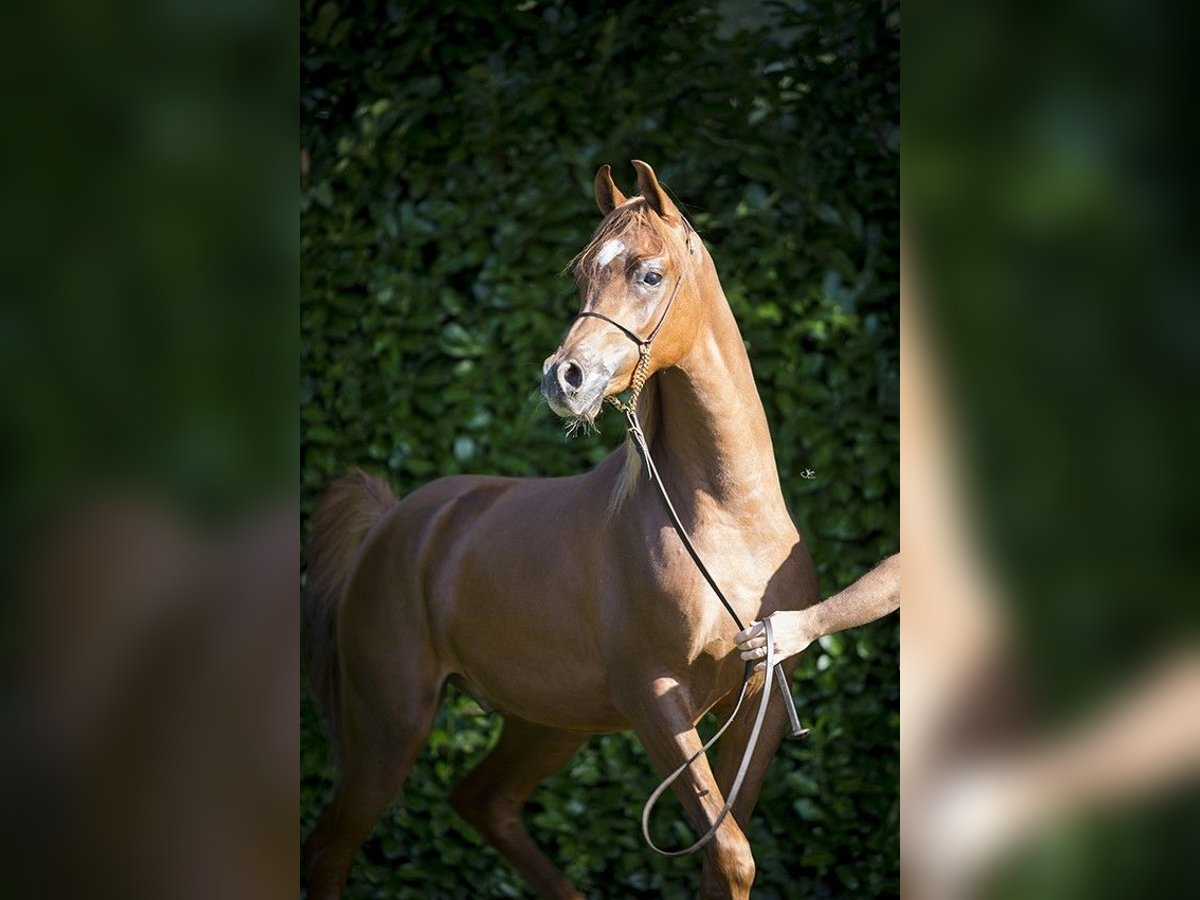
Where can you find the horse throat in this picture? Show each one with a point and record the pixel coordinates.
(710, 423)
(704, 421)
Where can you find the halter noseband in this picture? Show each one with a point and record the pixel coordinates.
(638, 381)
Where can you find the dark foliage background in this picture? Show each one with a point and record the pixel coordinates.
(449, 150)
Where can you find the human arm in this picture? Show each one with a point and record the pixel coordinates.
(871, 597)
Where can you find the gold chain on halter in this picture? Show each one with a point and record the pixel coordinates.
(640, 374)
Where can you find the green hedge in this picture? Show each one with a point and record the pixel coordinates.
(450, 151)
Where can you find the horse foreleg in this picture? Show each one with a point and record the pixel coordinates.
(662, 721)
(491, 798)
(732, 745)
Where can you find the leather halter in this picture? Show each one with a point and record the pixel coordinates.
(629, 333)
(638, 380)
(773, 670)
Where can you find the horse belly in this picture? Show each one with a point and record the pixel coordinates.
(529, 661)
(558, 696)
(515, 617)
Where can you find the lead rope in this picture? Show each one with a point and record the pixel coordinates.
(736, 788)
(773, 670)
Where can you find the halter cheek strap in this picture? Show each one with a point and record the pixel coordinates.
(641, 342)
(642, 372)
(638, 381)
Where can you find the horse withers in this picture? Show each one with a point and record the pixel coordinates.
(569, 605)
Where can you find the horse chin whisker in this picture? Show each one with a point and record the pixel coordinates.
(584, 424)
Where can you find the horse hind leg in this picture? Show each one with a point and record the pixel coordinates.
(385, 727)
(491, 797)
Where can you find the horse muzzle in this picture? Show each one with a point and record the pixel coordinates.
(572, 388)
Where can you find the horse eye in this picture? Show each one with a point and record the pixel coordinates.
(652, 278)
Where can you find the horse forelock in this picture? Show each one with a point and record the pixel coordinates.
(638, 227)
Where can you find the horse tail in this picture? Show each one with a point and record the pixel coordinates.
(346, 512)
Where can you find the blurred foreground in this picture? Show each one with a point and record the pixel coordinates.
(1050, 669)
(147, 368)
(158, 751)
(989, 777)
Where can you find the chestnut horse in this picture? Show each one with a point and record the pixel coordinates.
(569, 604)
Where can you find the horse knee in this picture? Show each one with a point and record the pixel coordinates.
(730, 867)
(737, 862)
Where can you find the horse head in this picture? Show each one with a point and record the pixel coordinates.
(636, 290)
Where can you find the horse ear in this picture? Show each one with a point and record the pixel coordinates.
(608, 196)
(653, 192)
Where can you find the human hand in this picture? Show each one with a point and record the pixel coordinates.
(790, 628)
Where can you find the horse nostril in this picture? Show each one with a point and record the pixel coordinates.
(570, 375)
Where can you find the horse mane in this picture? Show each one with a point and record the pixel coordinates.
(655, 236)
(649, 411)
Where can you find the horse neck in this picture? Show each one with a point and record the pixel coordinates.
(710, 423)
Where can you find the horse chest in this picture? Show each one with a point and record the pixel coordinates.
(729, 550)
(669, 590)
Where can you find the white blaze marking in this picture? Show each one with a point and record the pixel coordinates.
(609, 252)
